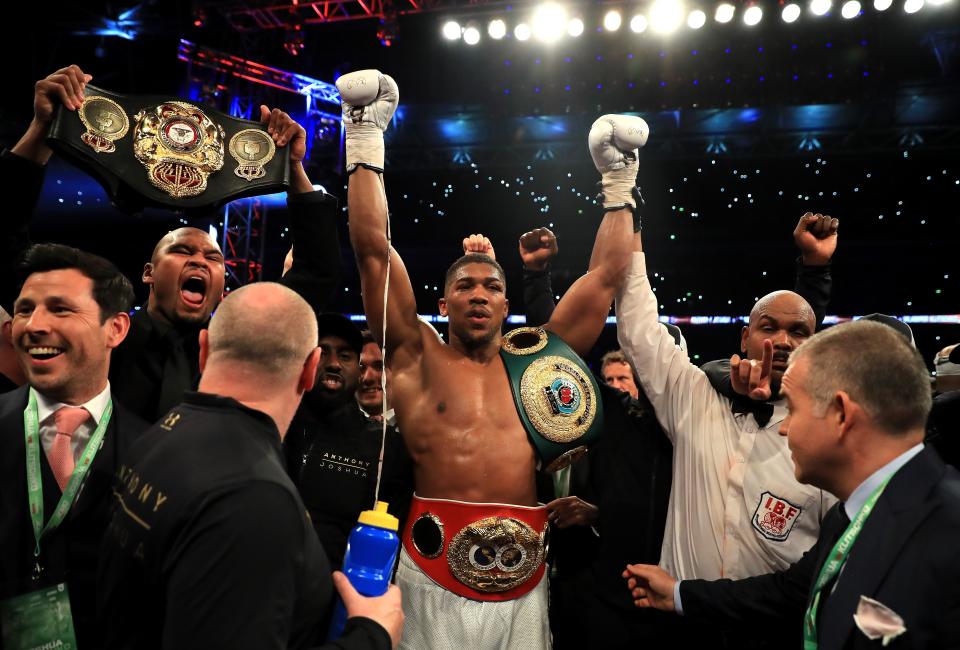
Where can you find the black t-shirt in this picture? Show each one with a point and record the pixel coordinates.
(209, 544)
(332, 457)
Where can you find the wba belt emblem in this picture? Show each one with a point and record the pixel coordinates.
(180, 147)
(105, 122)
(252, 149)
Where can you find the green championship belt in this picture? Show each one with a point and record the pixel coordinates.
(556, 395)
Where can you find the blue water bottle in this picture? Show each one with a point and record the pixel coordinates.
(371, 553)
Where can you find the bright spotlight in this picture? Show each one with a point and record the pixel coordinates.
(471, 36)
(724, 13)
(665, 15)
(790, 13)
(611, 22)
(696, 19)
(937, 3)
(522, 32)
(497, 29)
(820, 7)
(913, 6)
(638, 24)
(549, 22)
(752, 15)
(882, 5)
(451, 30)
(850, 9)
(575, 27)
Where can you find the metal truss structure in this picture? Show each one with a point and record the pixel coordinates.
(289, 15)
(243, 240)
(214, 76)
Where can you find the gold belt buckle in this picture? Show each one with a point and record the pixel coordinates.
(179, 145)
(496, 554)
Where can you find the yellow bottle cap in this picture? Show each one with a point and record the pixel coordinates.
(379, 517)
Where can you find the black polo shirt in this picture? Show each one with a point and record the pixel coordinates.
(209, 545)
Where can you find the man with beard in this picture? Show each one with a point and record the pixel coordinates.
(471, 569)
(370, 391)
(158, 360)
(736, 508)
(333, 449)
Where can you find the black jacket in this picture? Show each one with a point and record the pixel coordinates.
(209, 545)
(905, 557)
(70, 552)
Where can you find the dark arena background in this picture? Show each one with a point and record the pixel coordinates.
(759, 112)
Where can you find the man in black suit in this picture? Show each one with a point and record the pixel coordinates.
(885, 565)
(71, 313)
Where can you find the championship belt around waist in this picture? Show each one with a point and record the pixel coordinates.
(481, 551)
(556, 395)
(163, 152)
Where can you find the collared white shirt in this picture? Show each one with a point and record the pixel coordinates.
(46, 407)
(736, 509)
(859, 496)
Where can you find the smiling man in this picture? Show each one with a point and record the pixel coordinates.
(63, 427)
(333, 449)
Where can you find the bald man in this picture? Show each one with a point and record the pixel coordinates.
(185, 275)
(209, 544)
(736, 508)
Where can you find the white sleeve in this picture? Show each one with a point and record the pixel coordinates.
(675, 387)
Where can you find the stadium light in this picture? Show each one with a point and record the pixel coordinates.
(912, 6)
(611, 21)
(752, 16)
(575, 27)
(451, 30)
(696, 19)
(638, 24)
(665, 16)
(471, 35)
(850, 9)
(724, 13)
(522, 32)
(497, 29)
(790, 13)
(820, 7)
(549, 22)
(882, 5)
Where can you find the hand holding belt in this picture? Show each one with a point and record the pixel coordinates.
(153, 150)
(556, 395)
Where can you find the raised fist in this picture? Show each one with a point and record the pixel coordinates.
(816, 237)
(368, 99)
(614, 142)
(537, 248)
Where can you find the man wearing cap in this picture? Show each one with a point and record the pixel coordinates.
(333, 449)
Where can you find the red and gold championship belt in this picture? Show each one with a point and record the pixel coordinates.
(163, 152)
(481, 551)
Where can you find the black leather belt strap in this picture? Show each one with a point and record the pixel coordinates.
(151, 150)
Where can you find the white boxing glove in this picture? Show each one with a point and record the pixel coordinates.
(615, 141)
(368, 99)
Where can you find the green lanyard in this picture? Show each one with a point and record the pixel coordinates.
(31, 429)
(838, 555)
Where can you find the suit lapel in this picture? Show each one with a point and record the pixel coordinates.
(902, 507)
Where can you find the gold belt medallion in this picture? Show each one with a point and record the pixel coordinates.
(179, 145)
(558, 398)
(105, 122)
(252, 149)
(496, 554)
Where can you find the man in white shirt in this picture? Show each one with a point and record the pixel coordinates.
(70, 314)
(736, 509)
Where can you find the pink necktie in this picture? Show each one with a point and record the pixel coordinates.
(68, 419)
